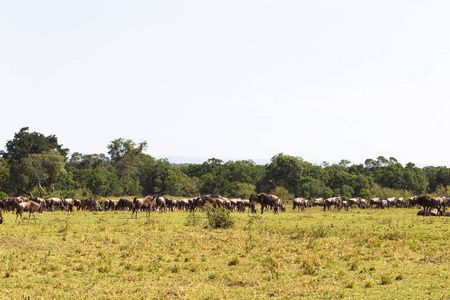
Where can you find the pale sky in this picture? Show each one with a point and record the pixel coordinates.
(323, 80)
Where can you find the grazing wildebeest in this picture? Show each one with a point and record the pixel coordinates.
(318, 202)
(401, 202)
(246, 203)
(345, 205)
(336, 201)
(354, 201)
(161, 204)
(27, 206)
(146, 204)
(55, 202)
(41, 202)
(1, 217)
(107, 204)
(300, 203)
(111, 204)
(125, 203)
(363, 203)
(12, 202)
(412, 202)
(68, 204)
(169, 204)
(391, 201)
(429, 203)
(266, 199)
(376, 202)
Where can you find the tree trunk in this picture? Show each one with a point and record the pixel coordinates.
(51, 188)
(41, 190)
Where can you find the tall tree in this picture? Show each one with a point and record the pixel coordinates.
(26, 143)
(42, 169)
(127, 159)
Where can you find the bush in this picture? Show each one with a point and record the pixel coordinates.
(385, 280)
(192, 220)
(219, 217)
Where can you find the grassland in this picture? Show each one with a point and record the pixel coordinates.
(371, 254)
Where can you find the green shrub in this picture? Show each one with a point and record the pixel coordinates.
(385, 280)
(234, 261)
(219, 217)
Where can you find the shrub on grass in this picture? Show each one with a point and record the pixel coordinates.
(385, 280)
(219, 217)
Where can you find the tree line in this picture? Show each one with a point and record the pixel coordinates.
(37, 165)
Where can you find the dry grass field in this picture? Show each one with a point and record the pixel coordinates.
(359, 254)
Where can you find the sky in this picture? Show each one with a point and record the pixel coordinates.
(322, 80)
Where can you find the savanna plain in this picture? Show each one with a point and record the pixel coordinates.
(355, 254)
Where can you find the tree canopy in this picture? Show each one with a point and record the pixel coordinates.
(33, 162)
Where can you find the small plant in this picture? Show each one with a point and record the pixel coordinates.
(104, 269)
(385, 280)
(308, 268)
(399, 277)
(175, 269)
(192, 220)
(250, 243)
(319, 231)
(354, 266)
(219, 217)
(252, 219)
(234, 261)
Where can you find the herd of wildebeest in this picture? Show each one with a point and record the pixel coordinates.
(431, 206)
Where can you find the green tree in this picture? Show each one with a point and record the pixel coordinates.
(25, 143)
(43, 169)
(4, 175)
(286, 171)
(40, 170)
(127, 158)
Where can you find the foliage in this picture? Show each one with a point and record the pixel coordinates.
(283, 193)
(33, 162)
(25, 143)
(219, 217)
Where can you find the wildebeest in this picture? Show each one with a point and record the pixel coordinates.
(161, 204)
(300, 203)
(68, 204)
(125, 203)
(363, 203)
(391, 201)
(12, 202)
(354, 201)
(51, 203)
(401, 202)
(376, 202)
(336, 201)
(241, 205)
(428, 203)
(266, 200)
(146, 204)
(27, 206)
(1, 217)
(41, 202)
(318, 202)
(345, 205)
